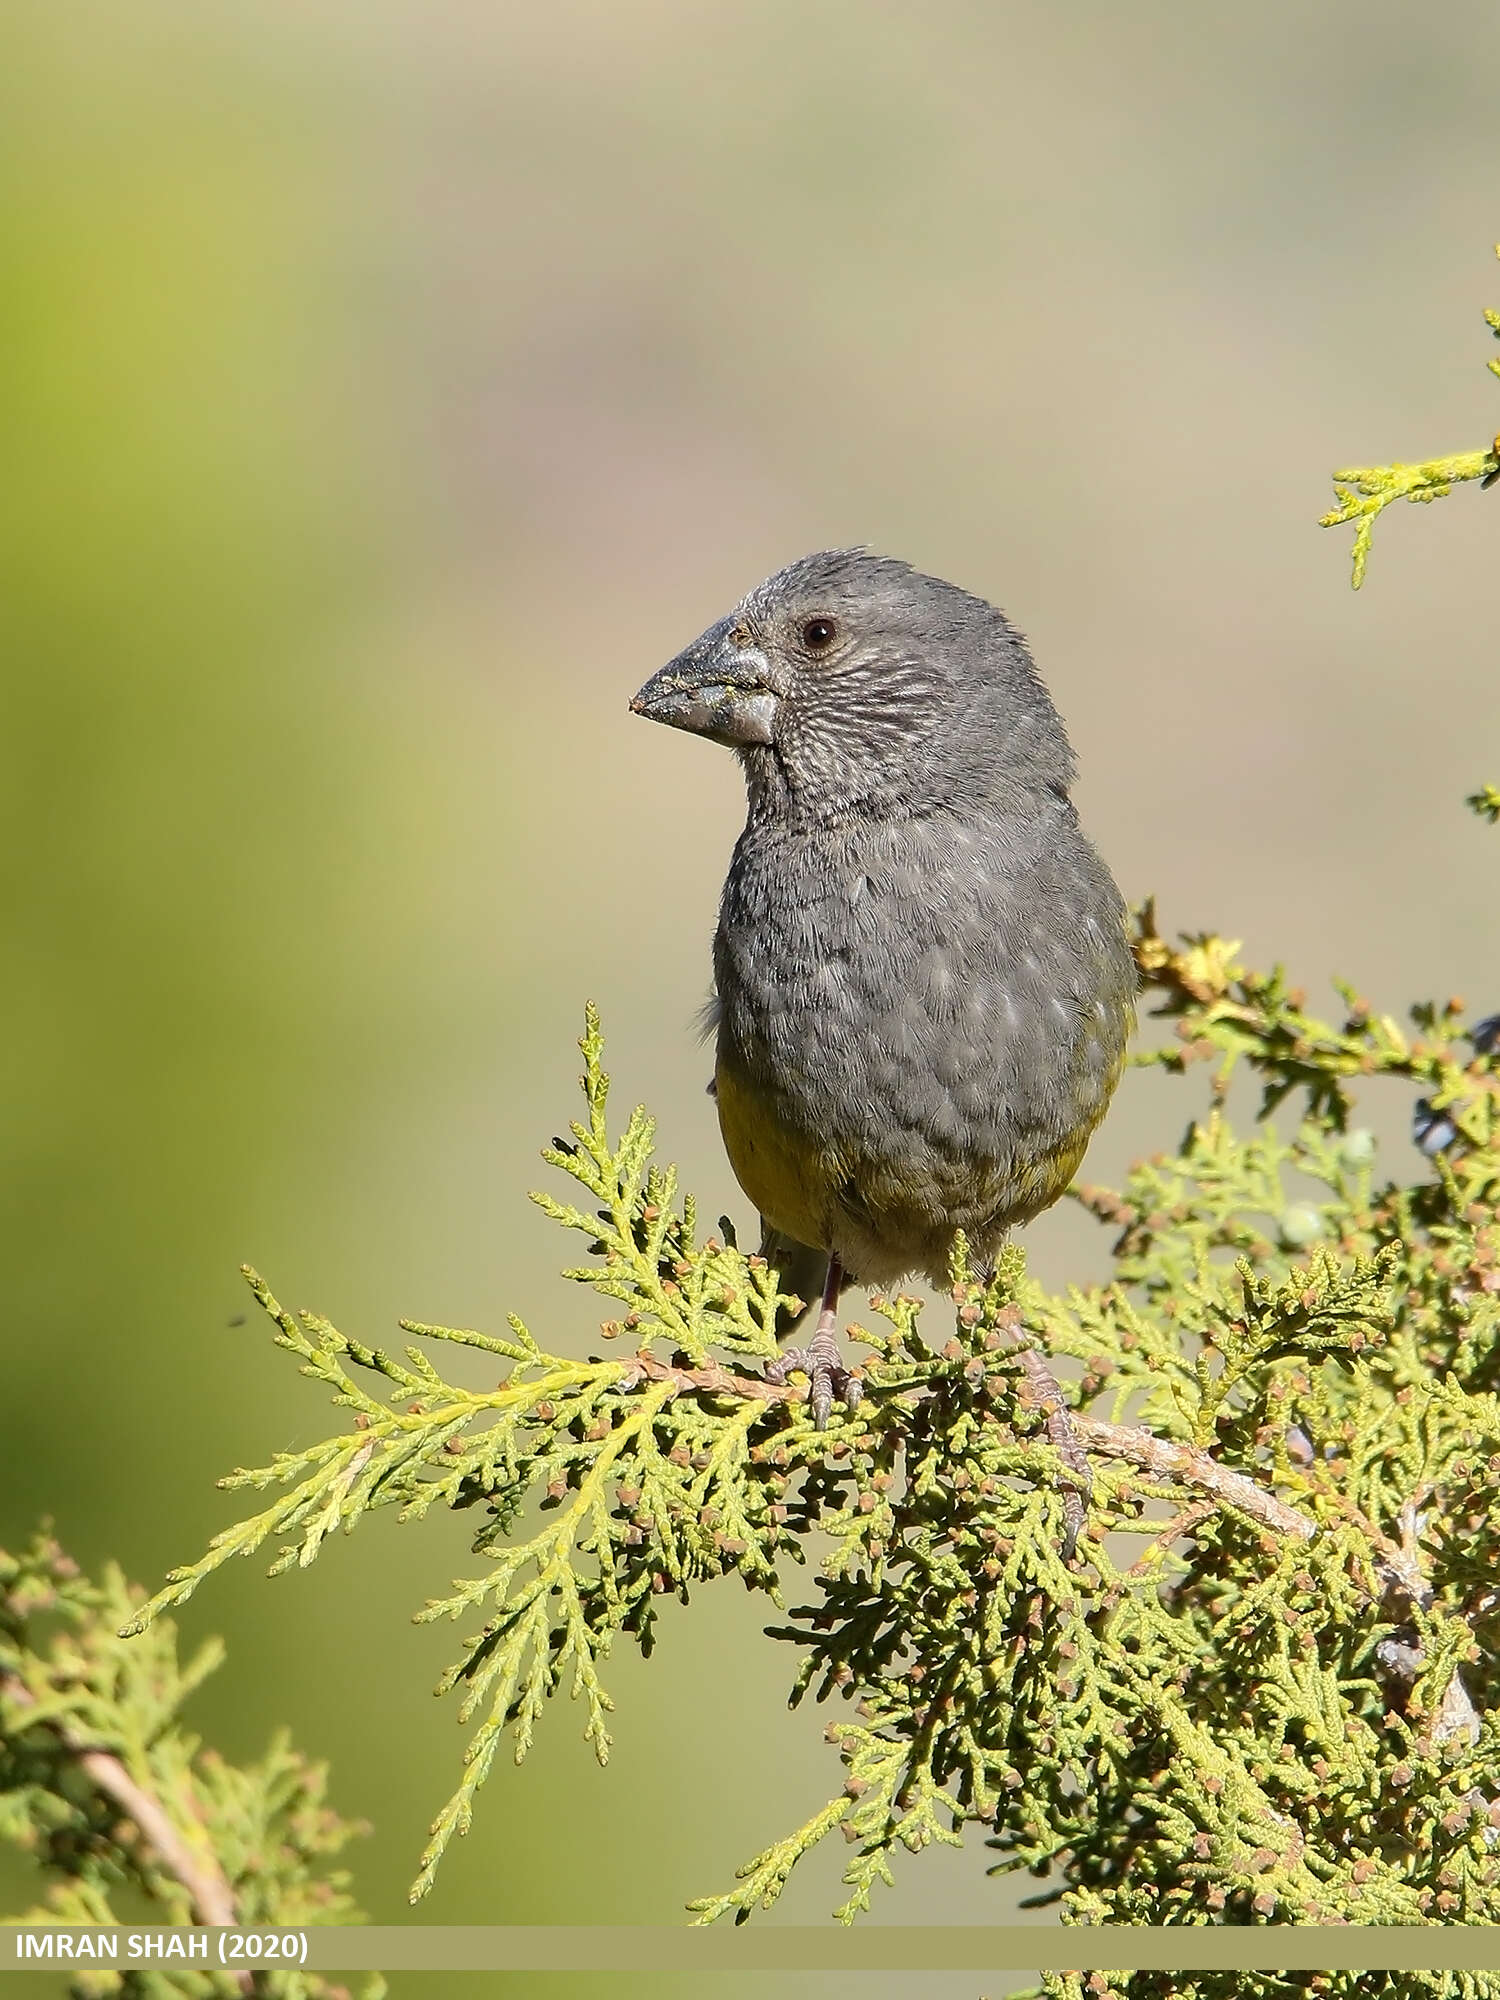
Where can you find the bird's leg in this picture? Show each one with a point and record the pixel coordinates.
(821, 1360)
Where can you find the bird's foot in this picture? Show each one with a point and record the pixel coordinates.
(829, 1380)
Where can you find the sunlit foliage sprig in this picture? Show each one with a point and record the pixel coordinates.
(1364, 492)
(119, 1809)
(1264, 1689)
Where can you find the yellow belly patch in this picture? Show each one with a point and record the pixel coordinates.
(888, 1209)
(789, 1178)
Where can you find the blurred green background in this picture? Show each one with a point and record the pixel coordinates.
(391, 388)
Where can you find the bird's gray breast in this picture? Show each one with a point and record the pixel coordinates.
(937, 988)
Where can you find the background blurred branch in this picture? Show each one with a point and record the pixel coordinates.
(203, 1841)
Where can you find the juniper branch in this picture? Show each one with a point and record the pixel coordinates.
(1266, 1379)
(1364, 492)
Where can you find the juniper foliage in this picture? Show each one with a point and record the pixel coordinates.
(1265, 1687)
(125, 1816)
(1364, 492)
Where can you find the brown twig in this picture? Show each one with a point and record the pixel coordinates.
(198, 1873)
(1400, 1563)
(1188, 1467)
(1182, 1523)
(1062, 1434)
(712, 1380)
(1177, 1462)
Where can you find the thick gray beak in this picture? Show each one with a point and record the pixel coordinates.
(717, 688)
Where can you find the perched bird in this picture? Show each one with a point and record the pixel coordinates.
(923, 984)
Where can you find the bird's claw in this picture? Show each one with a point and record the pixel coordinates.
(828, 1379)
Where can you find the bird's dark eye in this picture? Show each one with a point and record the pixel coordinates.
(817, 634)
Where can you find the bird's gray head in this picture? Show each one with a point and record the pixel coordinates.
(851, 682)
